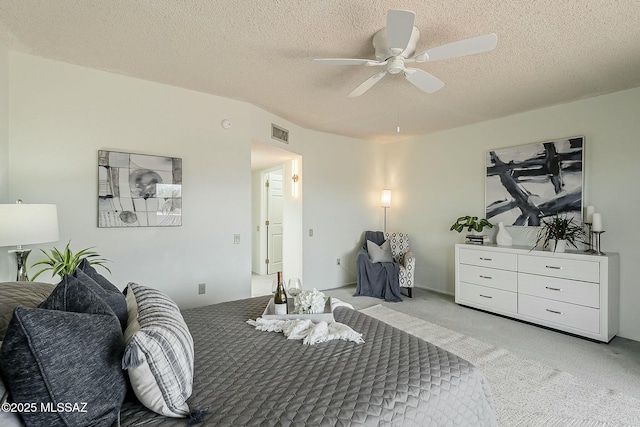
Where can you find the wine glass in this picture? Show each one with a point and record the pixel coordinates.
(294, 287)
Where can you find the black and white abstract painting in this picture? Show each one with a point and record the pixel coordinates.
(138, 190)
(528, 183)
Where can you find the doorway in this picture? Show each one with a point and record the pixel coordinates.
(276, 216)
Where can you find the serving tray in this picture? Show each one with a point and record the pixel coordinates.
(326, 316)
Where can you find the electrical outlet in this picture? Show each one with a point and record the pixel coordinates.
(202, 288)
(338, 261)
(311, 232)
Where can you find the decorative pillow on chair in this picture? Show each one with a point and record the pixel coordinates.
(13, 294)
(68, 352)
(380, 253)
(159, 351)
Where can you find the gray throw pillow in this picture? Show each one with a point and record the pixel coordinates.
(52, 356)
(380, 253)
(104, 283)
(110, 294)
(13, 294)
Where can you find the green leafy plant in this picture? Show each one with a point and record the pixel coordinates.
(65, 261)
(559, 227)
(471, 223)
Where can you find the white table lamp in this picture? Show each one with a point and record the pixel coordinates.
(27, 224)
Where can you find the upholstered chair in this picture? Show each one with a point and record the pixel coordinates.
(403, 256)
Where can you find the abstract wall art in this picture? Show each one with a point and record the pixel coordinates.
(527, 183)
(138, 190)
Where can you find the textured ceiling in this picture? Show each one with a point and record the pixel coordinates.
(260, 51)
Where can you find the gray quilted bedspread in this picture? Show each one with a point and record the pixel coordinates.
(247, 377)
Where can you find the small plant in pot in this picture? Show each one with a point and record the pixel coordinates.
(65, 261)
(471, 223)
(558, 231)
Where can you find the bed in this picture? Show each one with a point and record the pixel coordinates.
(246, 377)
(249, 377)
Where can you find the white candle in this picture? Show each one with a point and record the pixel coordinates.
(589, 215)
(596, 222)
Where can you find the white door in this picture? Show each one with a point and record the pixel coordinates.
(274, 222)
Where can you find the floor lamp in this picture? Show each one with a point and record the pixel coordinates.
(27, 224)
(386, 203)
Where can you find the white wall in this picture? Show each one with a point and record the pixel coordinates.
(6, 264)
(341, 179)
(436, 178)
(61, 115)
(4, 122)
(292, 218)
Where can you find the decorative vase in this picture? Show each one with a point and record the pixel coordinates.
(559, 245)
(503, 238)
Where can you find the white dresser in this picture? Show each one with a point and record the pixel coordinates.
(572, 291)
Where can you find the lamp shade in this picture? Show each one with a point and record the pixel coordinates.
(27, 224)
(386, 199)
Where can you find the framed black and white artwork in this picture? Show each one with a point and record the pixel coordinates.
(527, 183)
(139, 190)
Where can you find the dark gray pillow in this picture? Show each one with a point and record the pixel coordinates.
(99, 278)
(51, 356)
(111, 295)
(14, 294)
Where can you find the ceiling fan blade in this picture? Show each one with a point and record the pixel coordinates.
(399, 29)
(464, 47)
(367, 84)
(423, 80)
(346, 61)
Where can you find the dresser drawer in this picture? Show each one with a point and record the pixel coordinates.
(588, 271)
(561, 313)
(571, 291)
(491, 259)
(489, 298)
(491, 277)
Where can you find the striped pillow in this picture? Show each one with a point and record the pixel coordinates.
(159, 351)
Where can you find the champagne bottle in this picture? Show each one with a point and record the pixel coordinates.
(280, 297)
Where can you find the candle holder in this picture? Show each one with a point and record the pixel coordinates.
(597, 250)
(589, 250)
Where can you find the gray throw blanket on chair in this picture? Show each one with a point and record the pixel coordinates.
(378, 279)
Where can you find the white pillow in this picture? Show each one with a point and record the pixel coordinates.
(159, 351)
(380, 253)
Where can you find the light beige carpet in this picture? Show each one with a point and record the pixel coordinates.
(525, 392)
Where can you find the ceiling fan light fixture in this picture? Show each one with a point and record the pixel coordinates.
(395, 45)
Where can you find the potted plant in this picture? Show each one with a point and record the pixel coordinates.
(558, 231)
(65, 261)
(471, 223)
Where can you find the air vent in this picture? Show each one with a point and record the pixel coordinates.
(279, 133)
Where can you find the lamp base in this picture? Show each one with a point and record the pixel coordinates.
(21, 259)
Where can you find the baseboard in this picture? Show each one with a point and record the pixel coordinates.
(438, 291)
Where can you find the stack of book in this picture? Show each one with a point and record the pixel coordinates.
(477, 239)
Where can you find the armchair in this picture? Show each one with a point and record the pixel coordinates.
(404, 257)
(391, 270)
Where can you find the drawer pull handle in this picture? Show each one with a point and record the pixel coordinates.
(486, 277)
(486, 259)
(554, 312)
(485, 296)
(553, 289)
(553, 267)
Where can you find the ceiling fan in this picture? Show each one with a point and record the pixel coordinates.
(396, 43)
